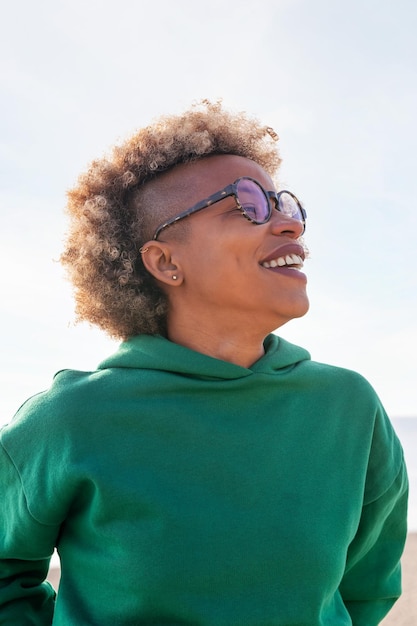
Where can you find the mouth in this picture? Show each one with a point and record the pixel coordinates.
(291, 261)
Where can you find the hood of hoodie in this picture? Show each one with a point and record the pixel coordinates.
(158, 353)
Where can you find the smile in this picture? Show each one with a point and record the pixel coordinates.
(289, 260)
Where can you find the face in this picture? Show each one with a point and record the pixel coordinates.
(234, 272)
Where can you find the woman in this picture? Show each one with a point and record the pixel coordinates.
(208, 473)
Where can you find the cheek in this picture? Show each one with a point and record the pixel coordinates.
(211, 275)
(221, 254)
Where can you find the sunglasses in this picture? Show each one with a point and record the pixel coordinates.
(252, 200)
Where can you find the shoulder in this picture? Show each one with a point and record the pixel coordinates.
(339, 380)
(69, 391)
(364, 420)
(43, 419)
(52, 441)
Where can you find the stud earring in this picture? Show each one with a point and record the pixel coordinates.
(174, 277)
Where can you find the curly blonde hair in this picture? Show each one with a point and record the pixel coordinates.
(113, 290)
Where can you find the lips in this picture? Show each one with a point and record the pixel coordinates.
(286, 256)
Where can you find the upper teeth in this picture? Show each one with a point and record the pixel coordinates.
(289, 259)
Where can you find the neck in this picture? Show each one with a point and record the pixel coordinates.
(240, 348)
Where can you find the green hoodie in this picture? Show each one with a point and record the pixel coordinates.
(184, 490)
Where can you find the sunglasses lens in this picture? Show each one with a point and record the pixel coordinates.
(253, 201)
(288, 205)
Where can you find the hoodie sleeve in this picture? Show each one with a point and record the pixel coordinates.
(26, 546)
(372, 578)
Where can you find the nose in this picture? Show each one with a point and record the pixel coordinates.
(281, 224)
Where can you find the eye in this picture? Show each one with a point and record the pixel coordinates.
(250, 210)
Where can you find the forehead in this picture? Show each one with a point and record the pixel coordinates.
(199, 179)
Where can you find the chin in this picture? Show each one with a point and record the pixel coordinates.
(304, 308)
(298, 310)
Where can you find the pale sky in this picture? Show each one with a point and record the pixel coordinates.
(336, 80)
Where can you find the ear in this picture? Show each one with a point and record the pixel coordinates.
(160, 261)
